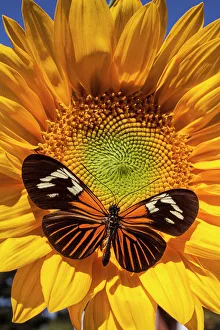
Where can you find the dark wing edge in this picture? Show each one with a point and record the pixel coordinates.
(177, 212)
(72, 235)
(138, 249)
(171, 212)
(51, 185)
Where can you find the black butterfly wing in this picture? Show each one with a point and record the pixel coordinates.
(137, 249)
(51, 185)
(171, 212)
(74, 234)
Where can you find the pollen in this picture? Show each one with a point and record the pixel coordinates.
(122, 147)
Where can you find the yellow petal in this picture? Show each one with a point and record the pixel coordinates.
(205, 286)
(209, 32)
(137, 48)
(212, 266)
(21, 251)
(91, 27)
(172, 293)
(184, 29)
(24, 65)
(182, 74)
(198, 107)
(207, 133)
(66, 276)
(98, 315)
(207, 176)
(9, 172)
(207, 165)
(14, 87)
(15, 155)
(201, 240)
(17, 125)
(124, 289)
(26, 296)
(16, 35)
(10, 180)
(209, 193)
(63, 42)
(39, 33)
(206, 151)
(98, 283)
(197, 320)
(162, 9)
(209, 212)
(17, 216)
(122, 11)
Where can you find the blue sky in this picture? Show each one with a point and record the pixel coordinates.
(176, 9)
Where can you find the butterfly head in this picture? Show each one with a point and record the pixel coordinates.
(114, 210)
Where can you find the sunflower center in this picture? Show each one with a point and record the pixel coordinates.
(119, 146)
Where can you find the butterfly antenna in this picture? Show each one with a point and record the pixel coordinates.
(101, 183)
(132, 192)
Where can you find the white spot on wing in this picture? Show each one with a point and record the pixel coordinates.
(75, 189)
(59, 174)
(170, 221)
(70, 175)
(52, 195)
(151, 207)
(44, 185)
(176, 207)
(155, 210)
(47, 179)
(159, 197)
(177, 214)
(168, 200)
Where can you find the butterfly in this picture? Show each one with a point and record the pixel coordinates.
(80, 223)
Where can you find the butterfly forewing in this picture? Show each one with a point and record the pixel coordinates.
(137, 248)
(73, 235)
(51, 185)
(171, 212)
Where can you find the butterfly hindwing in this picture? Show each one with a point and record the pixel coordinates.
(137, 248)
(171, 212)
(73, 235)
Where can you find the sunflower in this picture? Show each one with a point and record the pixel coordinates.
(100, 90)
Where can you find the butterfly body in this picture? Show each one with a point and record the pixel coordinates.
(112, 222)
(81, 224)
